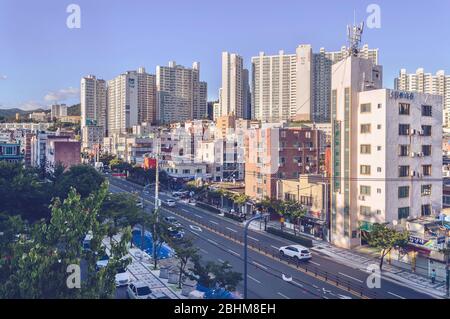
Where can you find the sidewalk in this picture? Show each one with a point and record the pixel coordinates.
(362, 257)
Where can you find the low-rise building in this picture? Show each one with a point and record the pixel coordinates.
(10, 152)
(312, 192)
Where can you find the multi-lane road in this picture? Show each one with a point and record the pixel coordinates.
(220, 239)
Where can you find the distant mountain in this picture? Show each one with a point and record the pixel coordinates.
(10, 114)
(74, 110)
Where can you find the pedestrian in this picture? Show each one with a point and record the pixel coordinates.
(433, 276)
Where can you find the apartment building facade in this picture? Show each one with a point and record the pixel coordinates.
(296, 86)
(181, 96)
(123, 108)
(423, 82)
(93, 102)
(274, 153)
(386, 152)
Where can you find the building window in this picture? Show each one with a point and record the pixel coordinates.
(379, 148)
(403, 150)
(365, 128)
(365, 149)
(365, 211)
(426, 190)
(427, 110)
(404, 108)
(426, 150)
(426, 210)
(403, 171)
(379, 170)
(426, 130)
(365, 170)
(426, 170)
(403, 129)
(403, 213)
(366, 108)
(379, 126)
(403, 192)
(378, 190)
(364, 190)
(380, 106)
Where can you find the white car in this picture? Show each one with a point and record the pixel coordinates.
(139, 290)
(122, 278)
(192, 202)
(297, 252)
(171, 203)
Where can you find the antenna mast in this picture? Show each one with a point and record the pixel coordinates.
(354, 34)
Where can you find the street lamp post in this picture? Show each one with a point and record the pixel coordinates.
(247, 224)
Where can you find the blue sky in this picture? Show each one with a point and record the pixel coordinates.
(41, 60)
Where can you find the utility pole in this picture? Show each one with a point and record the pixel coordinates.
(157, 140)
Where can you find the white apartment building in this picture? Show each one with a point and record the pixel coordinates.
(92, 137)
(123, 98)
(235, 88)
(93, 102)
(39, 116)
(181, 97)
(386, 152)
(296, 86)
(146, 96)
(422, 82)
(58, 111)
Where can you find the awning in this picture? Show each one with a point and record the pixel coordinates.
(366, 226)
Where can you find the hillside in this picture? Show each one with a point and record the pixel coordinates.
(7, 115)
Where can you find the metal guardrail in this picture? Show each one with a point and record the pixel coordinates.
(334, 279)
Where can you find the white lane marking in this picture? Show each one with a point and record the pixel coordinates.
(314, 263)
(196, 228)
(355, 279)
(220, 260)
(233, 252)
(185, 210)
(284, 296)
(203, 251)
(259, 265)
(298, 284)
(391, 293)
(212, 222)
(201, 217)
(254, 279)
(234, 231)
(325, 297)
(275, 247)
(195, 233)
(253, 238)
(213, 242)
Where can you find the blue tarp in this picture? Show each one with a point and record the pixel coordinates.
(163, 253)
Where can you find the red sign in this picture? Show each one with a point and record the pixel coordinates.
(149, 163)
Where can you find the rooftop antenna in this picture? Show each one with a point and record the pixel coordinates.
(354, 34)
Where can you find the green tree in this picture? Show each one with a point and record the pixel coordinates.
(184, 252)
(386, 239)
(85, 178)
(121, 210)
(212, 275)
(38, 266)
(23, 193)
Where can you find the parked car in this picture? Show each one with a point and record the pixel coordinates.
(140, 204)
(102, 262)
(171, 203)
(297, 252)
(139, 290)
(122, 278)
(176, 233)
